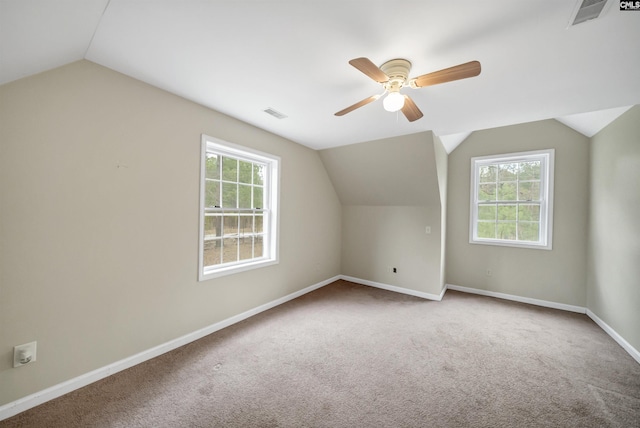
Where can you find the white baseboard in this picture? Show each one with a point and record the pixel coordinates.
(33, 400)
(615, 336)
(394, 288)
(635, 354)
(537, 302)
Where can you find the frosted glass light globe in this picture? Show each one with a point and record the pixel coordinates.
(393, 102)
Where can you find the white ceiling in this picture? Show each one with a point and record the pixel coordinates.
(242, 56)
(590, 124)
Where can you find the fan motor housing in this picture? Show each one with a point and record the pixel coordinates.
(398, 72)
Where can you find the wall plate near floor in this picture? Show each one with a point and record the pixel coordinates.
(24, 354)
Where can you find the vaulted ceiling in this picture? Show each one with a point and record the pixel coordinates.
(242, 57)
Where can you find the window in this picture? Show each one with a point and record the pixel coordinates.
(512, 199)
(238, 209)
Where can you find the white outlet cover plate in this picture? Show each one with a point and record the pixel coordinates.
(30, 348)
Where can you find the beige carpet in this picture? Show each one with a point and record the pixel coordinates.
(354, 356)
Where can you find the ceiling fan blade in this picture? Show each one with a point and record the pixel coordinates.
(370, 69)
(411, 110)
(462, 71)
(358, 105)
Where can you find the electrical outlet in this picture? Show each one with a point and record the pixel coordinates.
(427, 230)
(489, 273)
(24, 354)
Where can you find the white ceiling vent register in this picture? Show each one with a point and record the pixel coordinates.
(275, 113)
(586, 10)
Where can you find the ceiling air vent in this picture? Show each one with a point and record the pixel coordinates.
(275, 113)
(587, 9)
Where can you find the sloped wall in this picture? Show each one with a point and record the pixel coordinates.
(389, 193)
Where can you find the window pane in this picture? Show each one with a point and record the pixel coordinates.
(507, 212)
(230, 250)
(507, 191)
(245, 172)
(212, 166)
(246, 224)
(229, 169)
(529, 191)
(487, 192)
(528, 231)
(229, 195)
(212, 252)
(259, 223)
(212, 194)
(212, 225)
(258, 200)
(258, 247)
(488, 173)
(506, 230)
(246, 248)
(258, 174)
(231, 224)
(508, 171)
(486, 230)
(244, 196)
(529, 212)
(487, 212)
(529, 170)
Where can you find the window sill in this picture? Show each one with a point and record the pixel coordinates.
(498, 243)
(212, 273)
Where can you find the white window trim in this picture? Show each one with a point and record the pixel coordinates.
(546, 206)
(271, 226)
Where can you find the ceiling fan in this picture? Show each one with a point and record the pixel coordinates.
(394, 75)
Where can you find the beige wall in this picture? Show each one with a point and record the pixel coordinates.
(396, 172)
(613, 291)
(558, 275)
(377, 237)
(99, 182)
(389, 193)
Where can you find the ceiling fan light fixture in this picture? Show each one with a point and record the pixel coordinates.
(393, 75)
(393, 102)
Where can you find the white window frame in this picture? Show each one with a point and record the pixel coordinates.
(271, 211)
(546, 158)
